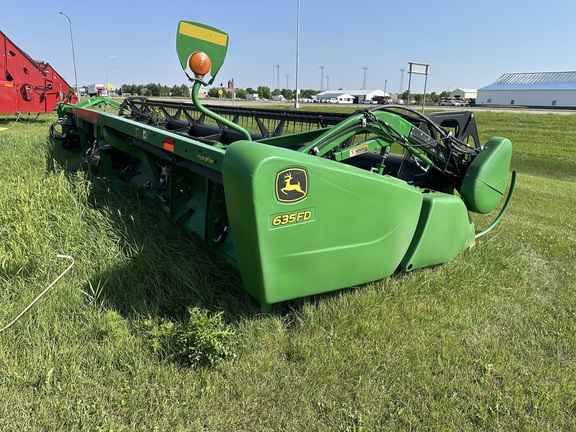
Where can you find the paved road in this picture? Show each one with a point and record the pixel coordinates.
(523, 110)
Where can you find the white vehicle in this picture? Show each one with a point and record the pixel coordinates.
(450, 102)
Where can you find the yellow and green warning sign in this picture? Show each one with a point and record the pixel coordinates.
(195, 37)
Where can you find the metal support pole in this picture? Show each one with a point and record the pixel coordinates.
(296, 105)
(73, 56)
(424, 98)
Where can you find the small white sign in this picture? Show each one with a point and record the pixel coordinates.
(418, 68)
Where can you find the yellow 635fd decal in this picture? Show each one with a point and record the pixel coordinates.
(292, 218)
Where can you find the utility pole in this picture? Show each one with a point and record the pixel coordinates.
(364, 82)
(321, 78)
(278, 77)
(287, 76)
(327, 82)
(401, 80)
(296, 104)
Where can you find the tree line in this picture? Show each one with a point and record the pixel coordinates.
(153, 89)
(263, 92)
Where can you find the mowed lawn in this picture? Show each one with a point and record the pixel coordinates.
(149, 331)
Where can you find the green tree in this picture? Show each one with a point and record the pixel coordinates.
(164, 90)
(288, 94)
(176, 91)
(241, 93)
(152, 89)
(307, 94)
(445, 95)
(263, 92)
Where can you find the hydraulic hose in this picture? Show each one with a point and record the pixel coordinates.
(504, 208)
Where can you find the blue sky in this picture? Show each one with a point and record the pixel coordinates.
(468, 44)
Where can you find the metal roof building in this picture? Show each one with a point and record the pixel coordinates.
(464, 93)
(535, 89)
(349, 96)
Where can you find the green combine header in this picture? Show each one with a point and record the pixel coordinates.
(300, 202)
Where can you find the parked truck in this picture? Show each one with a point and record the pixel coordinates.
(97, 90)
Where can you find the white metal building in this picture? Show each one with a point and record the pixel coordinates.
(463, 93)
(333, 97)
(536, 89)
(348, 96)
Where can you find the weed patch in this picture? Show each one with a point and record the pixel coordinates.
(203, 339)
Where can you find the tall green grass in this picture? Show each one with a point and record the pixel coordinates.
(485, 342)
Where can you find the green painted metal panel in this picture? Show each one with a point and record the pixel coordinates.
(206, 155)
(486, 178)
(444, 230)
(303, 225)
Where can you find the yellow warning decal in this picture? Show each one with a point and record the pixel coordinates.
(358, 150)
(206, 35)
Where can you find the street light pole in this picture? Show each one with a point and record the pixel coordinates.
(296, 104)
(73, 55)
(107, 81)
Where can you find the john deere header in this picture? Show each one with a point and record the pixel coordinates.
(300, 202)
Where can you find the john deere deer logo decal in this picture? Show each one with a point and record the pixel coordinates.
(291, 185)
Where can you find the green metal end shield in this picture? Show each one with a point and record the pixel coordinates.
(487, 176)
(192, 37)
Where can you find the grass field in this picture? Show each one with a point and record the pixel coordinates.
(149, 331)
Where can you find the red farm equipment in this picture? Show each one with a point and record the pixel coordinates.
(27, 85)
